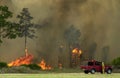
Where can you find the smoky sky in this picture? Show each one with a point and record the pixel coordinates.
(98, 21)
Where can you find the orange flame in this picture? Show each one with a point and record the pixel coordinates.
(22, 60)
(27, 59)
(76, 56)
(77, 51)
(44, 66)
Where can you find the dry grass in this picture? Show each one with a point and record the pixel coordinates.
(61, 75)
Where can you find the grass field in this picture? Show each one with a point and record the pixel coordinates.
(61, 75)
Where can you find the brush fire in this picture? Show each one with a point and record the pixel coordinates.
(27, 59)
(44, 66)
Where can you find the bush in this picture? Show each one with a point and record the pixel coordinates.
(116, 61)
(17, 69)
(33, 66)
(3, 65)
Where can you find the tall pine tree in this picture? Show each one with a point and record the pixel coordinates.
(26, 27)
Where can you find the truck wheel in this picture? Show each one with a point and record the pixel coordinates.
(109, 71)
(92, 71)
(86, 71)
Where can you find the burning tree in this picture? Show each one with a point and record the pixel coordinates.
(26, 27)
(76, 54)
(72, 36)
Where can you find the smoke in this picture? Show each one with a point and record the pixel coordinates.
(98, 21)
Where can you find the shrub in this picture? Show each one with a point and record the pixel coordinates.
(33, 66)
(3, 65)
(116, 61)
(17, 69)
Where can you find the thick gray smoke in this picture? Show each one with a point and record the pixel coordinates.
(98, 21)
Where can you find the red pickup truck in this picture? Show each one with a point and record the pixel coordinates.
(96, 66)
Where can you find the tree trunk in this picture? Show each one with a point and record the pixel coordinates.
(0, 34)
(70, 55)
(26, 51)
(25, 42)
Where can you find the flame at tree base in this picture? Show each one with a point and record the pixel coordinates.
(27, 59)
(22, 60)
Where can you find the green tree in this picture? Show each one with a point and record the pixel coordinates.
(116, 61)
(72, 36)
(4, 23)
(26, 27)
(12, 31)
